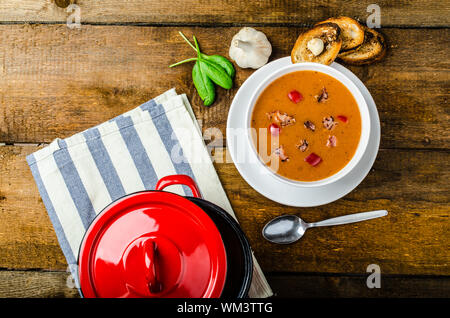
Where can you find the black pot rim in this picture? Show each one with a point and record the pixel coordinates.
(247, 251)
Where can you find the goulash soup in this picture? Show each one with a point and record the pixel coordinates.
(316, 121)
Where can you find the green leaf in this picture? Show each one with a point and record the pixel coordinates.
(222, 62)
(208, 70)
(203, 84)
(215, 72)
(217, 59)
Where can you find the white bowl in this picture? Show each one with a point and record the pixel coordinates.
(363, 110)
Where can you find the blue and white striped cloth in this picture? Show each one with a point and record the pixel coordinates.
(79, 176)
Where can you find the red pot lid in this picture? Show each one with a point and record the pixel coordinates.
(152, 244)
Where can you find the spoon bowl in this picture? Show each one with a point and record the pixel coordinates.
(284, 229)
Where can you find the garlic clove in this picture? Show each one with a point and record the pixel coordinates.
(316, 46)
(250, 48)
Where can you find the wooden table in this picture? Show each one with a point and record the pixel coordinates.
(57, 81)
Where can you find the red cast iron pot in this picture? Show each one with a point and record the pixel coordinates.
(160, 244)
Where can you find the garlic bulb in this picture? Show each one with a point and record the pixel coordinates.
(250, 48)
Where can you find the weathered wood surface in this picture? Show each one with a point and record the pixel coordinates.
(56, 284)
(413, 239)
(331, 286)
(36, 284)
(293, 12)
(56, 81)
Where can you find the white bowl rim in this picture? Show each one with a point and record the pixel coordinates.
(357, 95)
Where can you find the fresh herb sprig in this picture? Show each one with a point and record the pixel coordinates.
(209, 70)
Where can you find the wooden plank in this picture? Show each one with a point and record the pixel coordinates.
(413, 239)
(295, 12)
(330, 286)
(56, 81)
(36, 284)
(39, 284)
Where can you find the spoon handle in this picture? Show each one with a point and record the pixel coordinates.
(350, 218)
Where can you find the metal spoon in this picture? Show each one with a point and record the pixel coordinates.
(287, 229)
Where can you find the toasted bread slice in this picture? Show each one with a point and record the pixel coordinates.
(352, 33)
(373, 49)
(329, 36)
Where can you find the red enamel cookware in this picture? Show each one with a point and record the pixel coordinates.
(154, 244)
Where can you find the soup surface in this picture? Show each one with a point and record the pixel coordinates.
(312, 123)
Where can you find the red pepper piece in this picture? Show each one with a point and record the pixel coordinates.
(295, 96)
(313, 159)
(342, 118)
(274, 129)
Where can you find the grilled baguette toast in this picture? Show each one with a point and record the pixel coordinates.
(373, 49)
(328, 34)
(352, 33)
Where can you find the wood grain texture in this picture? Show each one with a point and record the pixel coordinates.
(296, 12)
(34, 284)
(341, 286)
(56, 81)
(412, 239)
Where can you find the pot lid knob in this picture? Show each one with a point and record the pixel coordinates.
(150, 257)
(143, 266)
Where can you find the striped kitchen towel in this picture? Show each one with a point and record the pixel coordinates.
(79, 176)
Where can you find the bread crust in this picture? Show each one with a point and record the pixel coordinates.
(373, 49)
(352, 33)
(329, 33)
